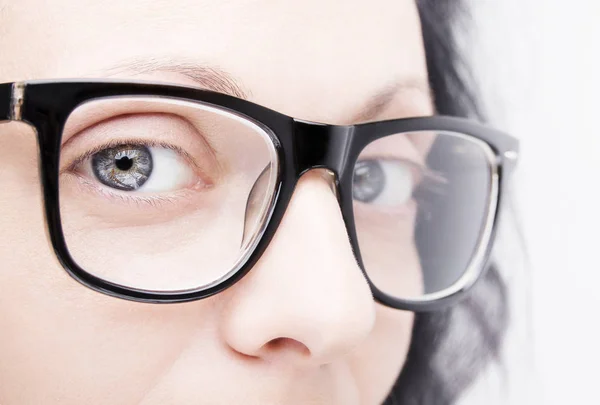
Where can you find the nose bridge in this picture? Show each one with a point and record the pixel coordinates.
(321, 146)
(307, 287)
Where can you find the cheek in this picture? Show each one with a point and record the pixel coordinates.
(53, 328)
(390, 255)
(392, 262)
(187, 251)
(378, 361)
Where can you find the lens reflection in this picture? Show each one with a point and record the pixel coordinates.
(421, 203)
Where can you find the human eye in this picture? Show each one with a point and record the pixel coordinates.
(392, 177)
(138, 158)
(137, 167)
(384, 182)
(392, 185)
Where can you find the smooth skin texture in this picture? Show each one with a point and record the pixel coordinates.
(302, 326)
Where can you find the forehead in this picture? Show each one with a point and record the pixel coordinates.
(288, 55)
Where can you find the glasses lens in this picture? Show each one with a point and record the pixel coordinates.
(163, 194)
(421, 203)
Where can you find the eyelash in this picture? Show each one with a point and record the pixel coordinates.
(431, 183)
(154, 201)
(424, 173)
(131, 141)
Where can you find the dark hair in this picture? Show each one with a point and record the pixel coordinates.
(449, 348)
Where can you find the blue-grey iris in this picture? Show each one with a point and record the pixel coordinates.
(369, 180)
(123, 167)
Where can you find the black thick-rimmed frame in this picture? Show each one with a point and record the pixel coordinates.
(301, 146)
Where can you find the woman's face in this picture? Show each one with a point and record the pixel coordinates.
(302, 327)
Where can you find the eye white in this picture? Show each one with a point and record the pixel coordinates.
(169, 172)
(398, 186)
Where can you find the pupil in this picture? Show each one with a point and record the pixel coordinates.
(124, 163)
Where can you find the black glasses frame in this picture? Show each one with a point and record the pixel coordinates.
(300, 145)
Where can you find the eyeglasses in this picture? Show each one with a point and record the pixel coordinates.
(161, 193)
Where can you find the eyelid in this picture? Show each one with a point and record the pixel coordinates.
(390, 156)
(197, 141)
(423, 173)
(149, 199)
(117, 142)
(96, 112)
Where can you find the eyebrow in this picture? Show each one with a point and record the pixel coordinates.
(205, 76)
(216, 79)
(379, 102)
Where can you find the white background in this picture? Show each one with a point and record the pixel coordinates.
(538, 63)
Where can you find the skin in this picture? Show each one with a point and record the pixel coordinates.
(299, 328)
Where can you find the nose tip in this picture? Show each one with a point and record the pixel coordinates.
(316, 342)
(306, 301)
(299, 332)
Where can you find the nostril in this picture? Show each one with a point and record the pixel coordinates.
(279, 345)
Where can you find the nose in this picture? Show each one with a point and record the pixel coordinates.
(306, 301)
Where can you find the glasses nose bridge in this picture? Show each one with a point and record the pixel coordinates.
(6, 102)
(319, 145)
